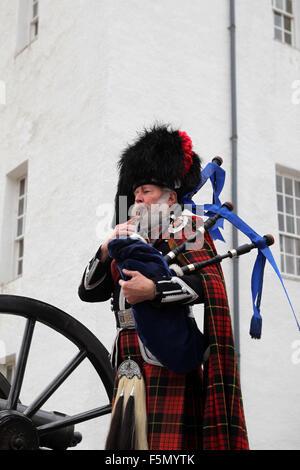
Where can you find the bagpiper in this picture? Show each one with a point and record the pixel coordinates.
(186, 395)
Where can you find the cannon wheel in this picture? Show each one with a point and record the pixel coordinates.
(89, 347)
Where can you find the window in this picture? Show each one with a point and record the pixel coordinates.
(20, 225)
(288, 209)
(34, 23)
(28, 23)
(7, 366)
(283, 20)
(12, 232)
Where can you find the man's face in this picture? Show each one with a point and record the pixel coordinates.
(152, 204)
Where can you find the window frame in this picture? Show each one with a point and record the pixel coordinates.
(284, 14)
(19, 237)
(283, 233)
(34, 21)
(27, 25)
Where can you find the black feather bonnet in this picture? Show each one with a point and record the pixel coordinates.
(160, 156)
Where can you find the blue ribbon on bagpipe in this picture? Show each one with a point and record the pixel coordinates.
(216, 175)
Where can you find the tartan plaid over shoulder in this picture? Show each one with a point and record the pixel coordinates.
(224, 426)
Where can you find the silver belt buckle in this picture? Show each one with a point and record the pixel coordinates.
(126, 318)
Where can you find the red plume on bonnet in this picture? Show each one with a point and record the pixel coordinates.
(187, 147)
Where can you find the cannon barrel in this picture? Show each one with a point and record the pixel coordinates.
(59, 439)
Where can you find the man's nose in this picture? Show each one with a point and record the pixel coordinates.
(139, 198)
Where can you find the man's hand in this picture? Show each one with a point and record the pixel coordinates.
(126, 229)
(138, 289)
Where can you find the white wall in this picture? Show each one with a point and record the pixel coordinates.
(78, 94)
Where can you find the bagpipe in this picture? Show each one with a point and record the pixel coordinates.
(168, 332)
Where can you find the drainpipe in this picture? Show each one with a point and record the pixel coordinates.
(234, 139)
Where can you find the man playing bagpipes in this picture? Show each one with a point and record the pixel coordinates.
(176, 388)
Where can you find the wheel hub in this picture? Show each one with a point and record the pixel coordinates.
(17, 432)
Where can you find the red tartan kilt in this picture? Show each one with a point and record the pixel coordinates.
(174, 401)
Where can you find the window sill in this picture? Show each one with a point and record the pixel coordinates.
(285, 44)
(290, 277)
(5, 285)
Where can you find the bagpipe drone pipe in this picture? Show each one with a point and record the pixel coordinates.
(168, 332)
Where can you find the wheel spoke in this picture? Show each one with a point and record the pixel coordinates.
(75, 419)
(53, 386)
(17, 381)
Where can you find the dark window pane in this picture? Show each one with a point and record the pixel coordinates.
(290, 224)
(20, 267)
(282, 263)
(297, 243)
(287, 24)
(20, 226)
(288, 186)
(21, 206)
(288, 38)
(298, 226)
(22, 187)
(297, 188)
(21, 248)
(277, 19)
(289, 6)
(298, 266)
(297, 206)
(290, 265)
(280, 203)
(279, 184)
(278, 34)
(281, 222)
(281, 240)
(289, 245)
(289, 205)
